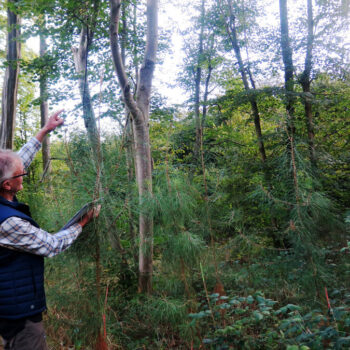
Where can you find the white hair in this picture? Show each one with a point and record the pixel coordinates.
(8, 160)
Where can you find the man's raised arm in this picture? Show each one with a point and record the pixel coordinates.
(53, 122)
(29, 150)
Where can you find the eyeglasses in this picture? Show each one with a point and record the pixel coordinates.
(14, 177)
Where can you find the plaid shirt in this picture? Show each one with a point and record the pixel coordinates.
(19, 234)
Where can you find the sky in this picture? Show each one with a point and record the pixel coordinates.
(173, 16)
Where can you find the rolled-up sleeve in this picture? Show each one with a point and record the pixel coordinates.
(28, 151)
(19, 234)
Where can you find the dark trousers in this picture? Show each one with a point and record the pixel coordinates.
(32, 337)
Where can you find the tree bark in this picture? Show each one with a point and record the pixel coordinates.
(205, 99)
(44, 106)
(129, 149)
(305, 81)
(80, 55)
(232, 33)
(287, 57)
(198, 78)
(139, 109)
(10, 86)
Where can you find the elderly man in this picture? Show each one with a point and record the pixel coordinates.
(23, 246)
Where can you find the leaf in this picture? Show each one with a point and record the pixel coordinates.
(270, 302)
(343, 341)
(258, 316)
(226, 330)
(335, 292)
(250, 299)
(261, 300)
(265, 308)
(199, 314)
(285, 309)
(225, 306)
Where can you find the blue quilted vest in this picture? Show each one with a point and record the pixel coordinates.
(21, 274)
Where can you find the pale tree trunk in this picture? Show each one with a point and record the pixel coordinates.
(198, 79)
(80, 55)
(289, 95)
(232, 33)
(305, 81)
(129, 149)
(10, 86)
(139, 109)
(44, 106)
(135, 48)
(130, 156)
(287, 57)
(205, 99)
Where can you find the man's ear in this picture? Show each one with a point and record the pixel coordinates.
(6, 185)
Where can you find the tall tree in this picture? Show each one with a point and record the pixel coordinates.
(201, 60)
(287, 57)
(197, 81)
(138, 106)
(325, 26)
(244, 70)
(10, 85)
(305, 81)
(80, 54)
(44, 105)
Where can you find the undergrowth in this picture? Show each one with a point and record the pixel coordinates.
(226, 275)
(252, 310)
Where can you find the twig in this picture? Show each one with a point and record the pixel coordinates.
(207, 295)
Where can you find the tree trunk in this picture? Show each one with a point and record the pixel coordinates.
(139, 110)
(80, 55)
(10, 86)
(232, 33)
(44, 106)
(129, 149)
(288, 68)
(198, 78)
(205, 99)
(130, 156)
(305, 81)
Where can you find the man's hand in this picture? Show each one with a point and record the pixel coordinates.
(53, 122)
(93, 213)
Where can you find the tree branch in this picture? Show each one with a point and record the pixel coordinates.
(115, 6)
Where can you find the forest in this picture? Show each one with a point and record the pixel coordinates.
(216, 136)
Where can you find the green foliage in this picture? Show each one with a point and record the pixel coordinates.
(79, 321)
(256, 322)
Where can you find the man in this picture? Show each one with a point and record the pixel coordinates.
(23, 246)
